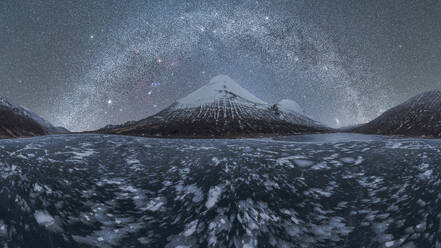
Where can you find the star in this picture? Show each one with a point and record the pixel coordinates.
(161, 52)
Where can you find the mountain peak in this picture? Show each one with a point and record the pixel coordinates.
(5, 102)
(225, 79)
(219, 87)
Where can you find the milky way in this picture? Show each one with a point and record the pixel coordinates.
(146, 55)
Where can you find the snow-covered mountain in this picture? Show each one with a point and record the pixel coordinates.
(222, 108)
(418, 116)
(18, 121)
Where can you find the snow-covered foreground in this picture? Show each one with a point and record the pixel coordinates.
(327, 190)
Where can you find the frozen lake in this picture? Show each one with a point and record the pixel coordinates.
(325, 190)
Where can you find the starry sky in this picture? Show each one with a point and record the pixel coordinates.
(86, 64)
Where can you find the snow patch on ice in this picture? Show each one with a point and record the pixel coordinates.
(197, 193)
(3, 229)
(213, 196)
(46, 220)
(348, 160)
(303, 163)
(83, 154)
(155, 204)
(37, 187)
(190, 228)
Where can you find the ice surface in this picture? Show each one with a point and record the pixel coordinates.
(302, 191)
(83, 154)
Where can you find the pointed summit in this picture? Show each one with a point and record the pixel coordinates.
(221, 109)
(219, 88)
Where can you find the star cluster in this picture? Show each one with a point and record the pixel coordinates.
(128, 60)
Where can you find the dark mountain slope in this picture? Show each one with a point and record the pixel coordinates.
(418, 116)
(17, 121)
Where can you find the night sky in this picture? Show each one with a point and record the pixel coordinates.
(86, 64)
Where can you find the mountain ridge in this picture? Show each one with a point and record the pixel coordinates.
(221, 108)
(418, 116)
(18, 121)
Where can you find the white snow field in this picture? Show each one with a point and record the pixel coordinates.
(324, 190)
(290, 106)
(219, 88)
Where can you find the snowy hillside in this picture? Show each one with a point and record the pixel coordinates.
(222, 108)
(17, 121)
(290, 106)
(418, 116)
